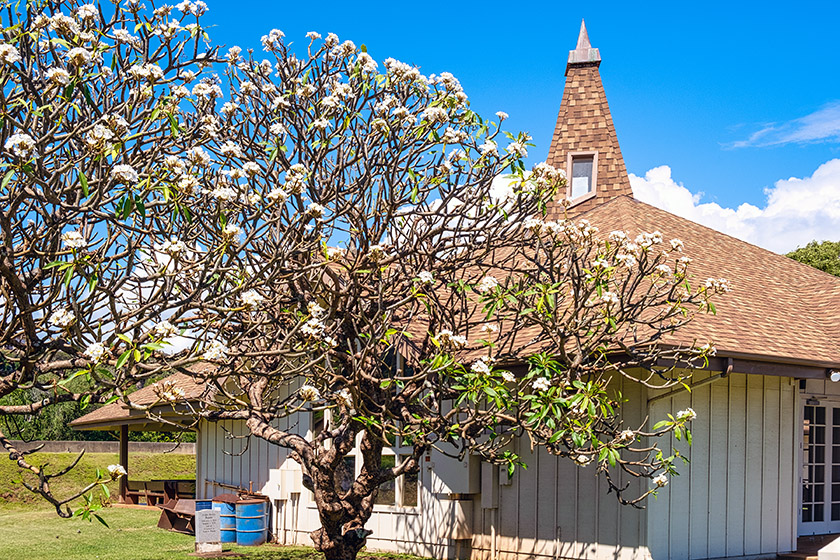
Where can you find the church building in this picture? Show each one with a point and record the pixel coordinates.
(765, 459)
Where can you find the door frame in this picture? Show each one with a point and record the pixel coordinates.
(827, 526)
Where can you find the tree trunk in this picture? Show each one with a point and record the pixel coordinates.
(340, 547)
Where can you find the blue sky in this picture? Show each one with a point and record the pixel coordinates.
(732, 97)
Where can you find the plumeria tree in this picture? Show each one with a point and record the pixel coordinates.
(322, 232)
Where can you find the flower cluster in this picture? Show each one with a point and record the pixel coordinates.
(215, 352)
(686, 415)
(309, 393)
(251, 298)
(164, 329)
(62, 318)
(116, 471)
(167, 390)
(541, 384)
(21, 145)
(718, 285)
(96, 351)
(73, 239)
(448, 339)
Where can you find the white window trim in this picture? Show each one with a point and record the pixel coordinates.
(569, 157)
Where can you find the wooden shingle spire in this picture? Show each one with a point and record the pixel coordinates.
(585, 133)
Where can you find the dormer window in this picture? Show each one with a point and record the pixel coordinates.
(582, 172)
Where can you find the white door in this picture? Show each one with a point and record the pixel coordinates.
(820, 497)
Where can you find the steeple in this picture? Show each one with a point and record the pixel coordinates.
(583, 53)
(584, 142)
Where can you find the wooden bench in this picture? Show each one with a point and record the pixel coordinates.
(142, 491)
(178, 515)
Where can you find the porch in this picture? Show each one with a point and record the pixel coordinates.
(807, 547)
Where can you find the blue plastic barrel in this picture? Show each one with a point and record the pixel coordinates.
(228, 520)
(203, 504)
(251, 528)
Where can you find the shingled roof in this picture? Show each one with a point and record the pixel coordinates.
(778, 310)
(110, 416)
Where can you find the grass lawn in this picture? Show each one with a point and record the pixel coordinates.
(37, 534)
(31, 531)
(141, 466)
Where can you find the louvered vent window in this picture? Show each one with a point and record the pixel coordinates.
(583, 175)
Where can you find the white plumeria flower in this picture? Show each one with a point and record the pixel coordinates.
(487, 284)
(277, 195)
(686, 415)
(582, 460)
(425, 277)
(309, 393)
(164, 329)
(334, 253)
(508, 376)
(489, 328)
(660, 480)
(677, 245)
(315, 210)
(73, 239)
(251, 298)
(517, 149)
(215, 352)
(124, 173)
(80, 57)
(626, 436)
(231, 230)
(22, 145)
(96, 351)
(541, 384)
(9, 54)
(480, 367)
(449, 339)
(344, 397)
(62, 318)
(609, 298)
(58, 76)
(116, 471)
(501, 115)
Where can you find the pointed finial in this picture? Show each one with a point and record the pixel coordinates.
(583, 38)
(584, 53)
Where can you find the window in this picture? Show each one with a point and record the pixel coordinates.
(583, 175)
(409, 487)
(401, 492)
(387, 495)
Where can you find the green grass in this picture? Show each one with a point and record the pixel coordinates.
(141, 466)
(132, 535)
(28, 529)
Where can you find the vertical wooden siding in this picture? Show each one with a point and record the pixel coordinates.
(737, 497)
(555, 509)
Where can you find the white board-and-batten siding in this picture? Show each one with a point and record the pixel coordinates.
(555, 509)
(738, 495)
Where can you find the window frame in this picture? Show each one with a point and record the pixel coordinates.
(569, 161)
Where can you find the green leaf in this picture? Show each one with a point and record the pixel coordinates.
(72, 377)
(84, 402)
(83, 180)
(7, 178)
(123, 358)
(87, 95)
(141, 207)
(99, 518)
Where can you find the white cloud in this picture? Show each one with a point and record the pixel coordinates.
(795, 212)
(821, 125)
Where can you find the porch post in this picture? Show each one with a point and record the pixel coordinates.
(124, 462)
